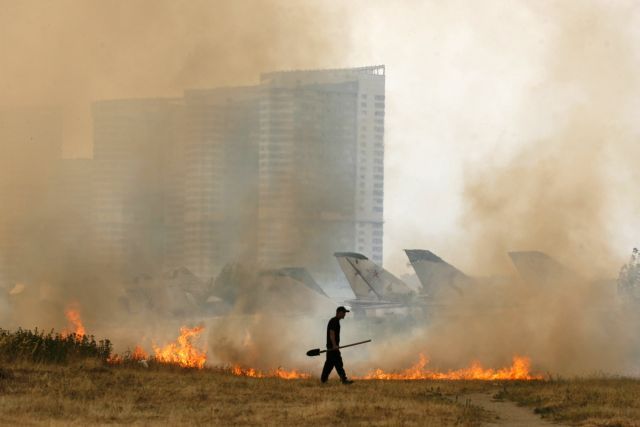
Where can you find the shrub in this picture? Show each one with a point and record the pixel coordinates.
(40, 347)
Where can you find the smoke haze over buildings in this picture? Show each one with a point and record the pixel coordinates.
(60, 58)
(510, 127)
(70, 53)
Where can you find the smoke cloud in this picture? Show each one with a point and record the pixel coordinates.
(58, 59)
(71, 53)
(558, 192)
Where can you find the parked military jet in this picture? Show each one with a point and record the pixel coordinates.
(439, 279)
(377, 291)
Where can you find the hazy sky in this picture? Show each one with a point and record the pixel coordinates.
(469, 87)
(470, 84)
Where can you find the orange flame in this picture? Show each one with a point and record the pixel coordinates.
(519, 370)
(73, 316)
(276, 373)
(115, 359)
(182, 353)
(137, 355)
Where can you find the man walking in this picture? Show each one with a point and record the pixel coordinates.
(334, 358)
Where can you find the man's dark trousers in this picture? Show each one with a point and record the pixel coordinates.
(334, 360)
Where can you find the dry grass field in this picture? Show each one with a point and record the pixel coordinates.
(90, 393)
(589, 401)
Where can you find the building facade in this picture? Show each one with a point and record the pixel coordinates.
(321, 175)
(220, 178)
(136, 187)
(281, 174)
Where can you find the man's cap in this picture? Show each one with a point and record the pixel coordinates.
(342, 308)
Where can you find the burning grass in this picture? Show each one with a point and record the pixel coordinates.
(74, 380)
(183, 353)
(276, 373)
(72, 313)
(520, 369)
(68, 377)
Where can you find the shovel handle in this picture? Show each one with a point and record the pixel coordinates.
(317, 351)
(350, 345)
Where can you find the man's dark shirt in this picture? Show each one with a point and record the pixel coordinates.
(334, 325)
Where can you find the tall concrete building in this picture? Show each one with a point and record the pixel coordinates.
(220, 176)
(281, 174)
(137, 188)
(321, 174)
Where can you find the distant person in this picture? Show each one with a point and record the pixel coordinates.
(334, 358)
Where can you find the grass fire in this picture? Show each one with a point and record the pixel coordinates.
(38, 386)
(319, 212)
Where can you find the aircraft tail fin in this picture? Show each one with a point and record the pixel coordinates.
(367, 279)
(436, 275)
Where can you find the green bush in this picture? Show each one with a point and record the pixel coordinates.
(40, 347)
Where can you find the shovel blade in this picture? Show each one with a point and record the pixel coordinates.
(314, 352)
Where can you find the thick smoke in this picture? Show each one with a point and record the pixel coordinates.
(556, 194)
(72, 53)
(58, 59)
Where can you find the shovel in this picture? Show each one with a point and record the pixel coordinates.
(317, 351)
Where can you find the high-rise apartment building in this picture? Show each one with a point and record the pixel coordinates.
(220, 177)
(137, 188)
(281, 174)
(321, 178)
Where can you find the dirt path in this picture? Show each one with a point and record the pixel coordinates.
(509, 413)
